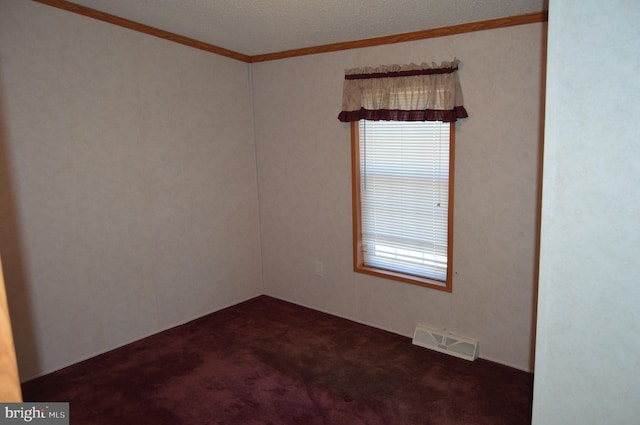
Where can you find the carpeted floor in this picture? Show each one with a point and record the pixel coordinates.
(266, 361)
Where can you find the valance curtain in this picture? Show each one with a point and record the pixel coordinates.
(403, 93)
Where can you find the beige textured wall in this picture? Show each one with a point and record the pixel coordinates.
(305, 190)
(588, 350)
(128, 186)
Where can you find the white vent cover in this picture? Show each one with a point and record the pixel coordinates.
(445, 342)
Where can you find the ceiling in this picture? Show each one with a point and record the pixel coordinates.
(254, 27)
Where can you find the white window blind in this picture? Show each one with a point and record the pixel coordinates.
(404, 169)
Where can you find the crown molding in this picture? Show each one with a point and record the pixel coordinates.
(409, 36)
(357, 44)
(136, 26)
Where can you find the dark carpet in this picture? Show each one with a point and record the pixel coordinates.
(266, 361)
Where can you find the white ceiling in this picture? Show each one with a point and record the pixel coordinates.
(253, 27)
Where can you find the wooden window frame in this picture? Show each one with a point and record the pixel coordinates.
(358, 254)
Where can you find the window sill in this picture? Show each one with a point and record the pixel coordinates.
(406, 278)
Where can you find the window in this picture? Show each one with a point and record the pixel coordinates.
(402, 143)
(402, 176)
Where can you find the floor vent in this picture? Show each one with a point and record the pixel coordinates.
(445, 342)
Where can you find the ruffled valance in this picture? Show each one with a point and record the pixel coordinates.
(403, 93)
